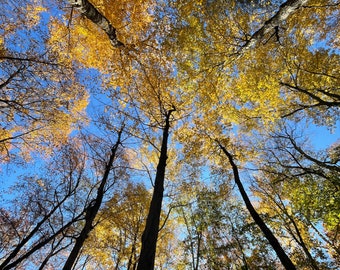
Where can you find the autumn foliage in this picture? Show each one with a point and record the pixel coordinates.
(169, 134)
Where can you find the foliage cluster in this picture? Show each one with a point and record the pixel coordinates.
(169, 134)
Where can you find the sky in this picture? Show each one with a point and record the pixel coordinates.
(320, 137)
(10, 173)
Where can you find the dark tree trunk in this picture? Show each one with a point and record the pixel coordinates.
(150, 234)
(92, 210)
(286, 262)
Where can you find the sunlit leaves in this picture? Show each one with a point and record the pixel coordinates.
(224, 83)
(82, 41)
(41, 100)
(36, 104)
(33, 12)
(115, 241)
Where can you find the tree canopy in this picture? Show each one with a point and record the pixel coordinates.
(169, 134)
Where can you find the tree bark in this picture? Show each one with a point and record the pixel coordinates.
(285, 260)
(285, 10)
(92, 210)
(150, 234)
(88, 10)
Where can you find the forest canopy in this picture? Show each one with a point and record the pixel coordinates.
(169, 134)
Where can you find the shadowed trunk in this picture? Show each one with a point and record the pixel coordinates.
(92, 210)
(150, 234)
(286, 262)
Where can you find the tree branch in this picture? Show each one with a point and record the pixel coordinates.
(285, 10)
(88, 10)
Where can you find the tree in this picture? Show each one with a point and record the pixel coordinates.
(285, 260)
(150, 98)
(47, 213)
(92, 209)
(196, 84)
(41, 99)
(66, 203)
(150, 234)
(302, 191)
(207, 236)
(219, 233)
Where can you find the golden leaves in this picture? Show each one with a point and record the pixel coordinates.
(33, 13)
(5, 145)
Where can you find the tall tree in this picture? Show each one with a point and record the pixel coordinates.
(92, 209)
(285, 260)
(180, 74)
(150, 234)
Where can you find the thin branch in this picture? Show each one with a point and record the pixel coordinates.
(13, 58)
(19, 135)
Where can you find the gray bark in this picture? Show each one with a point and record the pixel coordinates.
(285, 10)
(89, 11)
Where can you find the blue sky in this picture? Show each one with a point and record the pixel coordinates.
(322, 137)
(319, 136)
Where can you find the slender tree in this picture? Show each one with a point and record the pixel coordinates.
(150, 233)
(92, 209)
(285, 260)
(48, 207)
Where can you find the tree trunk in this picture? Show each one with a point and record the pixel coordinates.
(286, 262)
(150, 234)
(92, 210)
(87, 9)
(285, 10)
